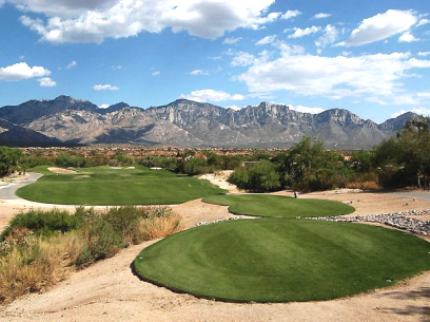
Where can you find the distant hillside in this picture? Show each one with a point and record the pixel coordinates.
(188, 123)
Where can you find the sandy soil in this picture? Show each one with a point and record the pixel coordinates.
(108, 291)
(61, 171)
(220, 179)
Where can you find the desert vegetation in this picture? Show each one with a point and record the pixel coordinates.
(397, 162)
(40, 248)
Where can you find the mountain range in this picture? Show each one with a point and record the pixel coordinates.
(65, 121)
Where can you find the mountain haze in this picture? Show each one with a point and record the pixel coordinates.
(188, 123)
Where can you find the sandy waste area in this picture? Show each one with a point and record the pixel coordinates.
(108, 290)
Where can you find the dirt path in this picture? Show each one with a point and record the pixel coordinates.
(108, 291)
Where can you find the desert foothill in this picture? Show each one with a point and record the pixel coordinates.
(214, 161)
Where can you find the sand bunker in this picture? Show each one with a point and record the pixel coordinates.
(61, 171)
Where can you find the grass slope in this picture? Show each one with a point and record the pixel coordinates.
(276, 260)
(279, 206)
(110, 186)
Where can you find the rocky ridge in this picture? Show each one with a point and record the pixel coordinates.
(188, 123)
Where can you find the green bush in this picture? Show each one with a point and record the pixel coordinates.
(44, 223)
(103, 241)
(124, 219)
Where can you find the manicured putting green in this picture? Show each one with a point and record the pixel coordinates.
(277, 260)
(112, 186)
(279, 206)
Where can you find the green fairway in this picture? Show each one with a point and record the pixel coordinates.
(113, 186)
(278, 260)
(279, 206)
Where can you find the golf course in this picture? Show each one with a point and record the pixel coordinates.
(106, 185)
(282, 259)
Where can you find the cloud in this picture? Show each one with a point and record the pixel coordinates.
(424, 53)
(243, 59)
(234, 107)
(266, 40)
(105, 87)
(423, 22)
(199, 72)
(381, 26)
(322, 15)
(331, 34)
(156, 73)
(205, 95)
(305, 109)
(407, 37)
(231, 40)
(47, 82)
(96, 20)
(291, 14)
(71, 65)
(22, 71)
(299, 32)
(379, 75)
(421, 110)
(104, 106)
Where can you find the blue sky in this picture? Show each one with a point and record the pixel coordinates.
(370, 57)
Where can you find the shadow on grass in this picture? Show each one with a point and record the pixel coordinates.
(421, 312)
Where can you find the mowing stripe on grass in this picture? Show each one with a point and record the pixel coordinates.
(283, 260)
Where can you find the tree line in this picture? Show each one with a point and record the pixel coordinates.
(402, 160)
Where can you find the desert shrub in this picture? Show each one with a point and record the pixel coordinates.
(31, 260)
(43, 262)
(102, 240)
(157, 212)
(158, 227)
(43, 223)
(126, 220)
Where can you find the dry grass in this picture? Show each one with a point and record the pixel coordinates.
(30, 263)
(158, 227)
(40, 264)
(363, 185)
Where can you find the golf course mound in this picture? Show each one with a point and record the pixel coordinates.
(279, 206)
(278, 260)
(105, 185)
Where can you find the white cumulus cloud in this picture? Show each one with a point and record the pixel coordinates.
(205, 95)
(299, 32)
(71, 65)
(333, 77)
(266, 40)
(407, 37)
(423, 22)
(291, 14)
(199, 72)
(421, 110)
(46, 82)
(96, 20)
(329, 37)
(322, 15)
(382, 26)
(105, 87)
(243, 59)
(306, 109)
(231, 40)
(424, 53)
(22, 71)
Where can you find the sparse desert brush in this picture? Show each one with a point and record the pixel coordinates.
(158, 227)
(38, 265)
(363, 185)
(35, 257)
